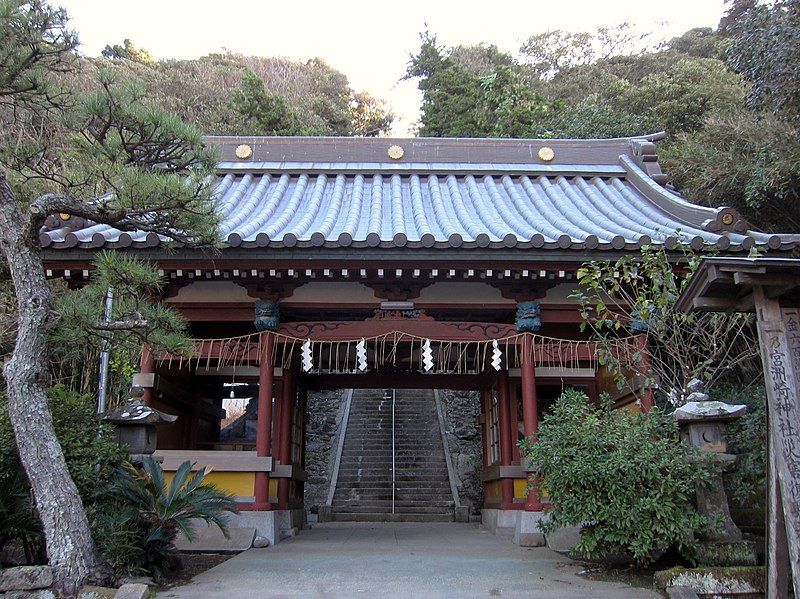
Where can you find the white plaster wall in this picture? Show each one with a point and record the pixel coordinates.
(339, 292)
(466, 293)
(212, 291)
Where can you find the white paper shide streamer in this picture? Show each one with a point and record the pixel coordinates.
(361, 355)
(427, 355)
(305, 353)
(497, 356)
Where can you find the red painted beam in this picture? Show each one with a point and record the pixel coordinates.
(243, 311)
(264, 424)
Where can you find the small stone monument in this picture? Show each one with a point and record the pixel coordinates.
(702, 425)
(135, 424)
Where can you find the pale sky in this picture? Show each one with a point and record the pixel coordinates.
(368, 41)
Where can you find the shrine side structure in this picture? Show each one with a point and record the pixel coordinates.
(423, 263)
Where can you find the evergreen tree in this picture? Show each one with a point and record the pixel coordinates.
(109, 156)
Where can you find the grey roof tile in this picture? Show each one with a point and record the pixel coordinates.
(458, 204)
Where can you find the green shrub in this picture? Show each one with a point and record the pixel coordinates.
(747, 438)
(90, 452)
(144, 515)
(625, 477)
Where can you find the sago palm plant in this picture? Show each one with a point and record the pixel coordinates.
(163, 510)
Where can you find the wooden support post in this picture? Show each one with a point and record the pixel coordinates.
(264, 421)
(779, 337)
(506, 451)
(647, 398)
(530, 418)
(285, 448)
(147, 365)
(277, 411)
(513, 415)
(777, 546)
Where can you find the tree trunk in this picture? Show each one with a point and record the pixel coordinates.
(70, 548)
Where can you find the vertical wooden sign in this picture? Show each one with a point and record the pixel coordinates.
(779, 336)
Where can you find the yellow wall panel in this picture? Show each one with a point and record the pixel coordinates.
(520, 488)
(239, 484)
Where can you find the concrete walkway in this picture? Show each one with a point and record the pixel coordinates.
(398, 560)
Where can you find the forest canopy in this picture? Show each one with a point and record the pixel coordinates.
(233, 94)
(726, 97)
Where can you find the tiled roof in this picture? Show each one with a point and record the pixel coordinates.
(514, 200)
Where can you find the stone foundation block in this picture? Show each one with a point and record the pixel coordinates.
(527, 532)
(726, 553)
(95, 592)
(133, 591)
(564, 539)
(497, 521)
(25, 578)
(37, 594)
(266, 524)
(461, 513)
(681, 593)
(714, 581)
(325, 513)
(210, 539)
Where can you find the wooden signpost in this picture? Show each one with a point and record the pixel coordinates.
(769, 286)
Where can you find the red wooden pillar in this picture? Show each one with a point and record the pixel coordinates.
(513, 408)
(147, 365)
(530, 418)
(264, 421)
(647, 399)
(506, 446)
(285, 448)
(277, 410)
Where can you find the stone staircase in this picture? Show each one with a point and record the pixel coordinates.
(364, 486)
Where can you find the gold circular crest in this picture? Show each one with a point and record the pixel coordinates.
(727, 218)
(244, 151)
(64, 216)
(396, 152)
(546, 153)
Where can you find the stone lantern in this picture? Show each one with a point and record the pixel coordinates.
(702, 425)
(135, 424)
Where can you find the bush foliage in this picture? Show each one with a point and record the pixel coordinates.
(144, 514)
(746, 484)
(626, 477)
(91, 455)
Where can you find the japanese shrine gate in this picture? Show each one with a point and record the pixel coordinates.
(397, 263)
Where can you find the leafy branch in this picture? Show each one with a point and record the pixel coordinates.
(637, 293)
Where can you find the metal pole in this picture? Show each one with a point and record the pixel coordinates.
(104, 356)
(394, 391)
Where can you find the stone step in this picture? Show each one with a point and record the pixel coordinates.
(417, 486)
(375, 479)
(359, 495)
(381, 450)
(378, 469)
(354, 509)
(421, 488)
(382, 517)
(400, 461)
(381, 503)
(434, 483)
